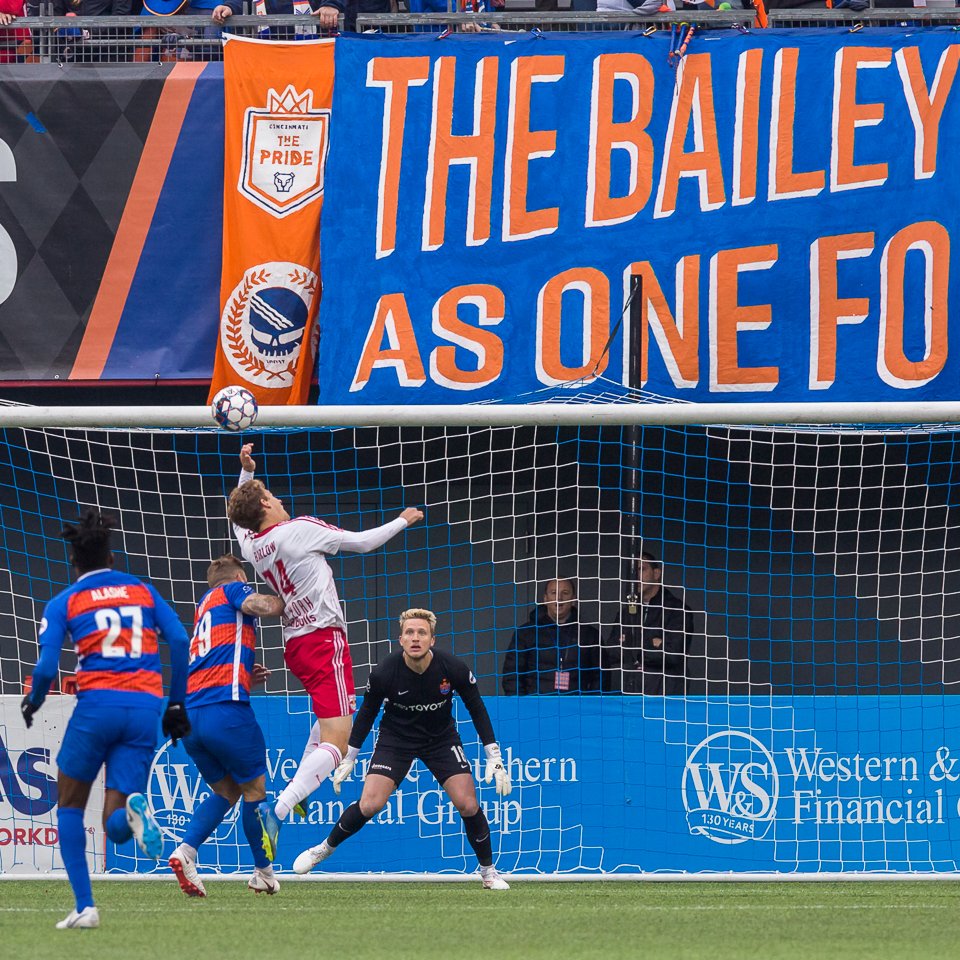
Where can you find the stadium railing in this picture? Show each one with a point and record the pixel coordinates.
(195, 38)
(554, 21)
(140, 39)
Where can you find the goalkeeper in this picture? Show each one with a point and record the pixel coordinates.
(415, 686)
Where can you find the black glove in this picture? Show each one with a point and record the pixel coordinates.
(27, 710)
(175, 724)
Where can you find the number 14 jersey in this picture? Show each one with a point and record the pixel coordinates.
(291, 557)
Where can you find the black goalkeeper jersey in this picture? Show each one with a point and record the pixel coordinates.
(418, 707)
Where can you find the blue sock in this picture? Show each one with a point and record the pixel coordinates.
(117, 828)
(73, 845)
(206, 818)
(253, 833)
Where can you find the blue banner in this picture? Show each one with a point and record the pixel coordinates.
(628, 784)
(783, 194)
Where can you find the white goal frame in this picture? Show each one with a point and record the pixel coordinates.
(569, 413)
(564, 411)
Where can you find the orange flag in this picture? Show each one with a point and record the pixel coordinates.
(277, 99)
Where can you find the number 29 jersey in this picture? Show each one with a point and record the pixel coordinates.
(222, 648)
(291, 557)
(113, 620)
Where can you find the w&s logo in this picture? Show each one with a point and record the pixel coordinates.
(26, 787)
(176, 789)
(730, 788)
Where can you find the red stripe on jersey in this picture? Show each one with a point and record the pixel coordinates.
(114, 595)
(321, 523)
(225, 634)
(219, 676)
(316, 520)
(134, 681)
(93, 642)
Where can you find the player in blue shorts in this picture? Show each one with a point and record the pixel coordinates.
(226, 742)
(114, 620)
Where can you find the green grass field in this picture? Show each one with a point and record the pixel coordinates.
(422, 921)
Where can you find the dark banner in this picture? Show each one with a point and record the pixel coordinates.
(110, 221)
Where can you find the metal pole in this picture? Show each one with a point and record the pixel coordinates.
(630, 512)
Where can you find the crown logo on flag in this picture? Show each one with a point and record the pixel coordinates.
(290, 101)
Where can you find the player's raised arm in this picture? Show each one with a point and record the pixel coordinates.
(53, 629)
(367, 540)
(248, 465)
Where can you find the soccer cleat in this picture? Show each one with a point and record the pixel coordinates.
(492, 880)
(310, 857)
(86, 919)
(300, 810)
(270, 826)
(144, 827)
(263, 882)
(185, 867)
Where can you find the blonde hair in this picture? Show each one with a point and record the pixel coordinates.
(223, 570)
(418, 613)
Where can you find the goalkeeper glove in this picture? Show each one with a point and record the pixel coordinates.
(496, 771)
(345, 768)
(175, 724)
(27, 710)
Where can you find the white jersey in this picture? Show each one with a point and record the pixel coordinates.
(291, 557)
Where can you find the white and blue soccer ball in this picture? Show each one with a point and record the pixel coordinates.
(234, 408)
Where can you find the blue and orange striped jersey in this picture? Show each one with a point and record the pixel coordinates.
(114, 621)
(222, 647)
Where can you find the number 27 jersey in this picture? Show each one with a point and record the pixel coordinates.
(113, 620)
(291, 557)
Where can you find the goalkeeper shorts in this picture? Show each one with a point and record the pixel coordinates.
(444, 759)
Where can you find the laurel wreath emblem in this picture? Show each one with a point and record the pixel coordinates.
(241, 356)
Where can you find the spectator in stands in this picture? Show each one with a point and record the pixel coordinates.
(647, 651)
(553, 652)
(16, 45)
(219, 11)
(327, 12)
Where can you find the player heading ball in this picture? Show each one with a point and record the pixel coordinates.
(415, 687)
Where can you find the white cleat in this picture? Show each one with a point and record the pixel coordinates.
(185, 868)
(310, 857)
(492, 880)
(264, 882)
(87, 919)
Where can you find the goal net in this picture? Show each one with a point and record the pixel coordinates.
(773, 691)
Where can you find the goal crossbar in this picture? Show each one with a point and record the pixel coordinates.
(618, 413)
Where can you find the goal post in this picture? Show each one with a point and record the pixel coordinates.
(809, 725)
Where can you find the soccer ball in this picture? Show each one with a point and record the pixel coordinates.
(234, 408)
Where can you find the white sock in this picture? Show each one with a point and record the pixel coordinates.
(191, 852)
(313, 741)
(313, 770)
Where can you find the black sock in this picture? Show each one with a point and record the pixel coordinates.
(478, 833)
(351, 820)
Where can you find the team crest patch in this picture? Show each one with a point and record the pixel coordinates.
(284, 152)
(445, 686)
(261, 330)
